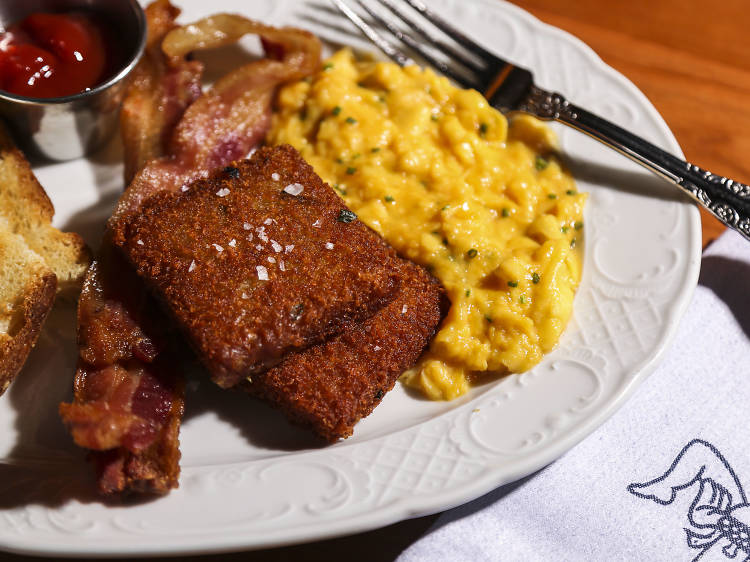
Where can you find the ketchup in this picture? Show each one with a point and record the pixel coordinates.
(55, 55)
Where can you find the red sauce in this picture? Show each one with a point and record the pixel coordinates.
(55, 55)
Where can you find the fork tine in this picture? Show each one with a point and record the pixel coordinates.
(437, 63)
(449, 50)
(383, 44)
(451, 31)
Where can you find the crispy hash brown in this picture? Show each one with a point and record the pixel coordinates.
(330, 386)
(259, 260)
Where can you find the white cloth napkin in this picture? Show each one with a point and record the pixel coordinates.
(662, 479)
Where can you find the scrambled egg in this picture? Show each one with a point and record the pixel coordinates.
(452, 185)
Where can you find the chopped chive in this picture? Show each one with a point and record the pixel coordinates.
(445, 208)
(505, 212)
(483, 129)
(338, 188)
(578, 225)
(512, 283)
(436, 232)
(388, 199)
(232, 172)
(303, 115)
(541, 163)
(351, 120)
(339, 160)
(356, 155)
(351, 170)
(573, 243)
(535, 278)
(336, 110)
(345, 215)
(564, 229)
(471, 254)
(488, 318)
(468, 292)
(379, 394)
(376, 149)
(522, 299)
(551, 196)
(445, 242)
(328, 66)
(571, 192)
(434, 117)
(296, 312)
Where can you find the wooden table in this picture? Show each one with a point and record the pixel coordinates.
(690, 57)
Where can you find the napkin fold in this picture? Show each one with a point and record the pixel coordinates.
(666, 478)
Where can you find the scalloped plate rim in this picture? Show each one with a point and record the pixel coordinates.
(415, 506)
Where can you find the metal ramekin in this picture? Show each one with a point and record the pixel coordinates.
(72, 126)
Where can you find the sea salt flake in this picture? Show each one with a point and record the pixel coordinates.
(276, 246)
(184, 188)
(404, 309)
(275, 176)
(377, 348)
(294, 189)
(140, 242)
(245, 296)
(268, 221)
(271, 259)
(250, 237)
(218, 248)
(233, 242)
(282, 266)
(223, 192)
(258, 247)
(329, 246)
(262, 272)
(316, 224)
(192, 266)
(247, 226)
(288, 248)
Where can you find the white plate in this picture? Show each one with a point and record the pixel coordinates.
(250, 480)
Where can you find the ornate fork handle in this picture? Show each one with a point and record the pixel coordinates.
(726, 199)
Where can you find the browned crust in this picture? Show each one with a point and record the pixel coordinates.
(239, 323)
(29, 212)
(33, 195)
(331, 386)
(36, 305)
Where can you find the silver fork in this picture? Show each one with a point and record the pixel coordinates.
(511, 88)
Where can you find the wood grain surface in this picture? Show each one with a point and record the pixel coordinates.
(690, 58)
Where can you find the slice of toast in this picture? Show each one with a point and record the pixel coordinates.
(28, 212)
(36, 259)
(27, 291)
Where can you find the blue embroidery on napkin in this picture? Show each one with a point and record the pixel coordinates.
(719, 516)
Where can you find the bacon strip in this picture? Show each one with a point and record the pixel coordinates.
(226, 122)
(128, 396)
(158, 93)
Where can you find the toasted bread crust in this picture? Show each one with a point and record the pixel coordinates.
(257, 261)
(36, 260)
(27, 291)
(28, 212)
